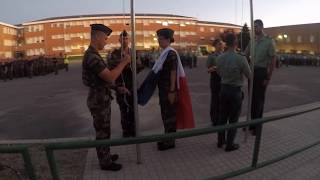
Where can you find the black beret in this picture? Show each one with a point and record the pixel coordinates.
(102, 28)
(124, 33)
(165, 32)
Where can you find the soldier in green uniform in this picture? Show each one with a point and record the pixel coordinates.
(99, 78)
(124, 86)
(264, 62)
(231, 67)
(215, 80)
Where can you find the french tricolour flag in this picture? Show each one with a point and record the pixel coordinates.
(184, 110)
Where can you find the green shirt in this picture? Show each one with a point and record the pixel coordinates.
(231, 67)
(212, 59)
(264, 51)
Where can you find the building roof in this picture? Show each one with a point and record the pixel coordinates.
(9, 25)
(110, 15)
(218, 23)
(295, 25)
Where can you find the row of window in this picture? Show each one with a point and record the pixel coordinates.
(69, 48)
(33, 40)
(7, 42)
(35, 52)
(211, 29)
(11, 31)
(70, 36)
(287, 38)
(34, 28)
(119, 21)
(6, 54)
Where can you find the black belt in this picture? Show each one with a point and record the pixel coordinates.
(229, 86)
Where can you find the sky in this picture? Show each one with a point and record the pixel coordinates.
(272, 12)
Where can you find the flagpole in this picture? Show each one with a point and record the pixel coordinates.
(134, 77)
(252, 69)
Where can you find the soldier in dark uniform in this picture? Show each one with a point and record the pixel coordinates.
(3, 70)
(9, 69)
(123, 86)
(167, 87)
(231, 67)
(264, 63)
(215, 80)
(99, 78)
(55, 65)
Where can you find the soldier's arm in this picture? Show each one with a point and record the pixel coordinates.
(111, 75)
(173, 59)
(272, 54)
(246, 68)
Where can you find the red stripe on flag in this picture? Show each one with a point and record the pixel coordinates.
(185, 118)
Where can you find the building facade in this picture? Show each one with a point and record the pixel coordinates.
(71, 34)
(8, 40)
(297, 39)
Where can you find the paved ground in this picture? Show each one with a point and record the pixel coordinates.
(55, 106)
(198, 157)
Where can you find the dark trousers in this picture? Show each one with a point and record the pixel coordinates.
(127, 114)
(230, 108)
(258, 93)
(214, 105)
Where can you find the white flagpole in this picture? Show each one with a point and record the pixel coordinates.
(134, 77)
(252, 69)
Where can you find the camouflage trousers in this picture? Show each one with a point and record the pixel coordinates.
(99, 104)
(168, 114)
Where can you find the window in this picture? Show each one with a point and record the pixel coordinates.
(86, 24)
(312, 38)
(299, 39)
(221, 30)
(9, 43)
(211, 29)
(67, 37)
(8, 54)
(201, 29)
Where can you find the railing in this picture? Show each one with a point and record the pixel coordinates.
(21, 149)
(78, 144)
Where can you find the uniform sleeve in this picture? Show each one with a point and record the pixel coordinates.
(245, 67)
(247, 50)
(113, 60)
(96, 65)
(172, 60)
(272, 48)
(210, 61)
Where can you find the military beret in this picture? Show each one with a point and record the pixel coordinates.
(124, 33)
(165, 32)
(102, 28)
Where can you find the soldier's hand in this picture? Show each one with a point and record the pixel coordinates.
(212, 69)
(266, 82)
(127, 59)
(123, 90)
(172, 97)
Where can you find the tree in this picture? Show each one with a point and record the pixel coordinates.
(245, 37)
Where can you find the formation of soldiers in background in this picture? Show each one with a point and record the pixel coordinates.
(188, 58)
(298, 59)
(31, 66)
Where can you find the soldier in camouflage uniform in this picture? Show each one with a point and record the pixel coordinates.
(99, 78)
(124, 88)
